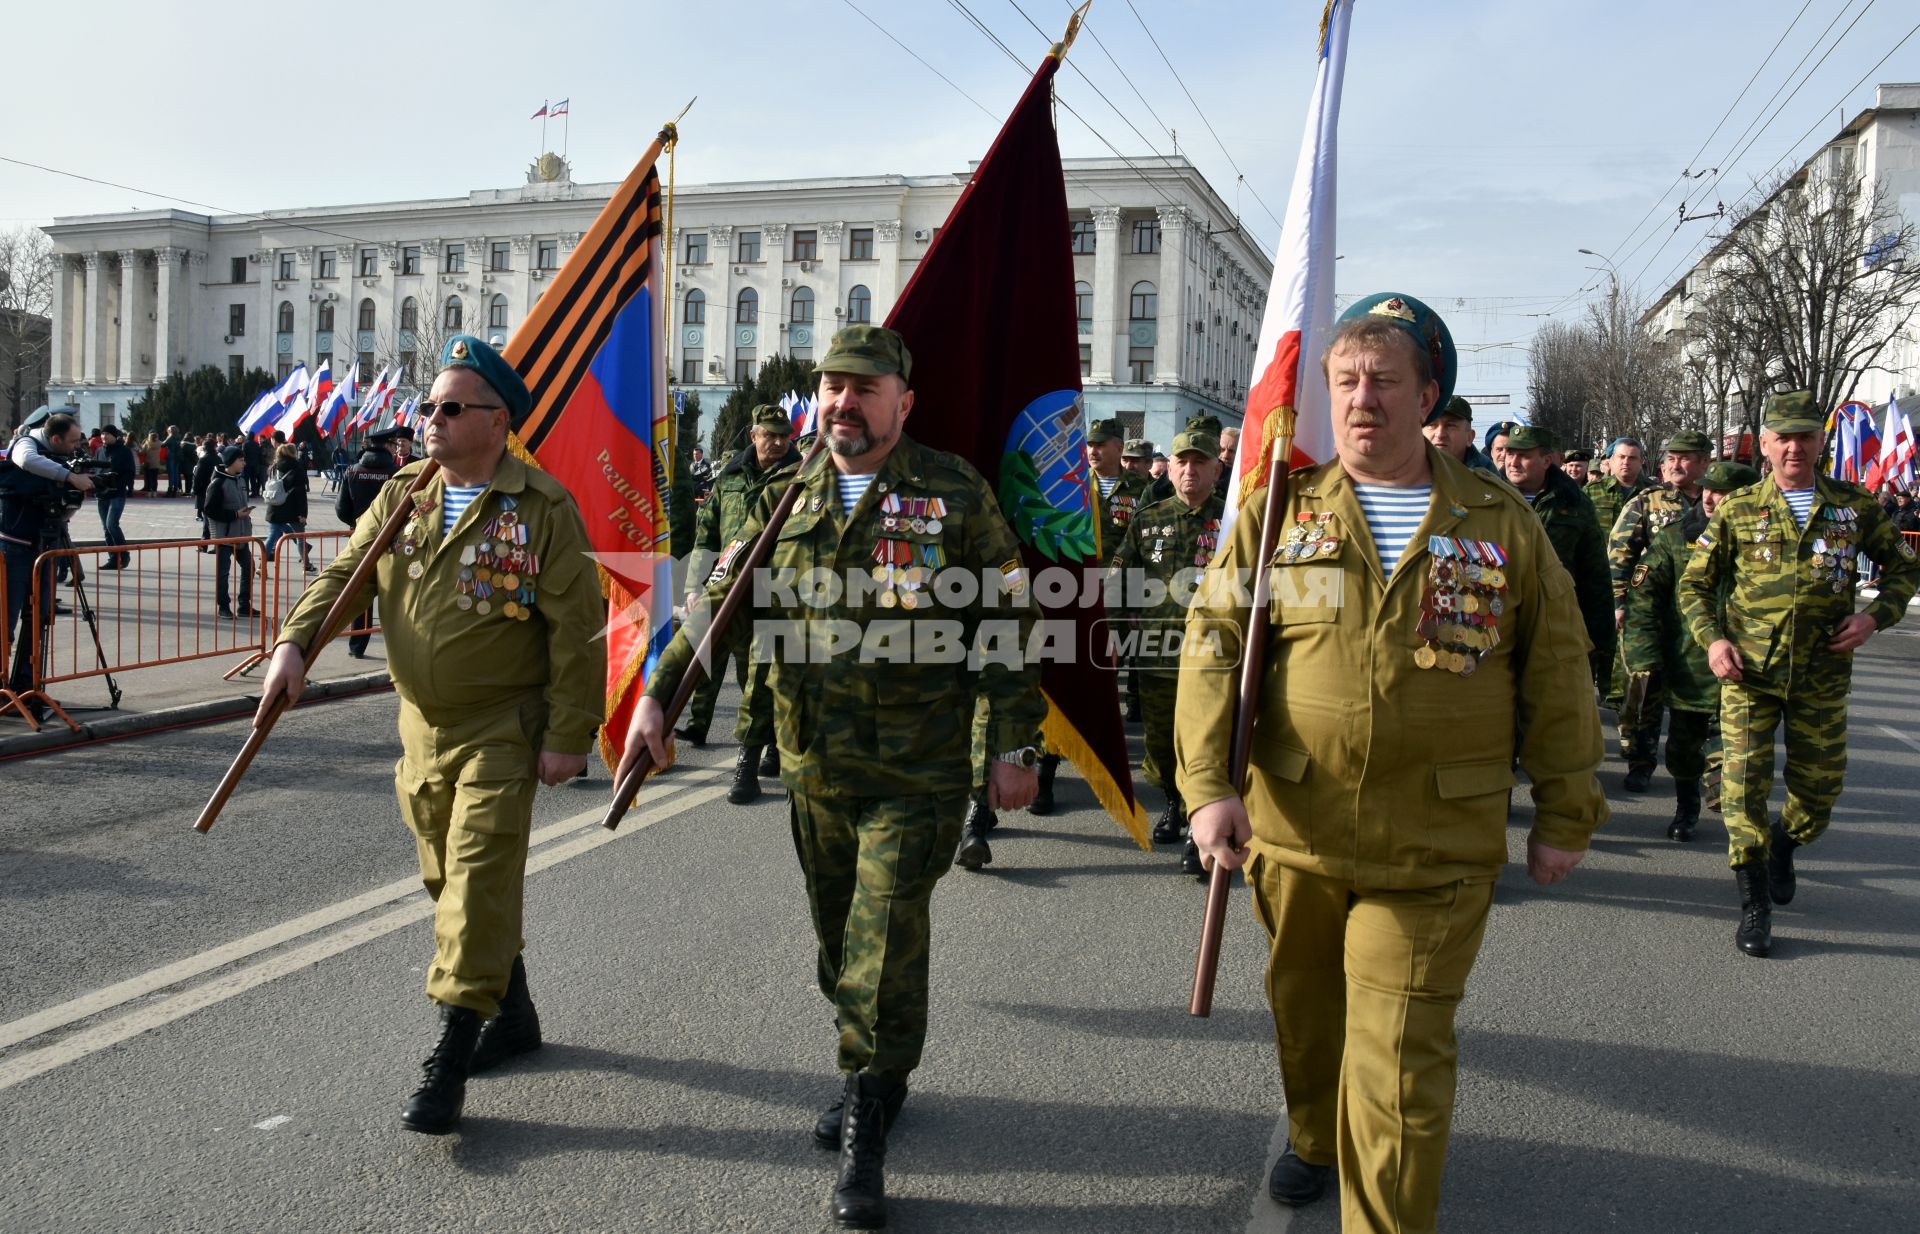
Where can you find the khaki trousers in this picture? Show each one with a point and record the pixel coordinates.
(1364, 985)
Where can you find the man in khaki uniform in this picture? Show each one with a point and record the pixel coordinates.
(492, 612)
(1420, 620)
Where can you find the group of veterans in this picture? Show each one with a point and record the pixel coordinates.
(1438, 617)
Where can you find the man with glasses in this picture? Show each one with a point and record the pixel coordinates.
(491, 610)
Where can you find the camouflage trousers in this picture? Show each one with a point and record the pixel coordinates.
(1640, 731)
(1815, 718)
(870, 865)
(1693, 744)
(755, 726)
(1157, 696)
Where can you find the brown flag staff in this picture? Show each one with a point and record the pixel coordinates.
(1253, 663)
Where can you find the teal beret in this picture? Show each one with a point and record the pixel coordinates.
(1428, 331)
(466, 351)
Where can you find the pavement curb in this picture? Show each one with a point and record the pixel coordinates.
(56, 736)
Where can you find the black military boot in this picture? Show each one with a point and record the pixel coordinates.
(1133, 708)
(513, 1032)
(1780, 880)
(1639, 779)
(860, 1196)
(1294, 1182)
(1043, 796)
(434, 1109)
(1172, 823)
(1686, 810)
(826, 1129)
(746, 777)
(1190, 861)
(1755, 935)
(770, 761)
(974, 851)
(695, 737)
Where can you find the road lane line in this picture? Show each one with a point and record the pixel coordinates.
(24, 1067)
(1897, 735)
(109, 997)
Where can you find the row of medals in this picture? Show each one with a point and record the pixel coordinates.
(1310, 536)
(898, 571)
(499, 563)
(1835, 556)
(1204, 544)
(1461, 605)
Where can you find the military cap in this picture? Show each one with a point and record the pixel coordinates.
(1205, 422)
(1455, 408)
(466, 351)
(1529, 437)
(391, 432)
(1137, 447)
(1579, 456)
(772, 419)
(40, 416)
(1726, 475)
(1689, 441)
(1422, 324)
(1104, 430)
(1791, 412)
(1192, 440)
(872, 351)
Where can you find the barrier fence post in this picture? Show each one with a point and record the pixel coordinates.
(9, 701)
(40, 593)
(262, 581)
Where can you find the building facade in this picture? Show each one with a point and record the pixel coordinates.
(1169, 289)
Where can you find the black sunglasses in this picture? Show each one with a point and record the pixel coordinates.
(451, 408)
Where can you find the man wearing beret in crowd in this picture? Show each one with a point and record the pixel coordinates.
(1450, 428)
(1568, 517)
(1576, 464)
(1423, 633)
(1783, 555)
(1496, 443)
(492, 613)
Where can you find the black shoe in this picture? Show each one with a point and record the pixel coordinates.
(1686, 810)
(826, 1129)
(1295, 1182)
(1172, 823)
(513, 1032)
(974, 851)
(1780, 880)
(746, 778)
(860, 1195)
(695, 737)
(1190, 861)
(357, 652)
(1133, 709)
(226, 612)
(245, 611)
(770, 761)
(1043, 795)
(60, 609)
(1639, 779)
(1755, 935)
(434, 1109)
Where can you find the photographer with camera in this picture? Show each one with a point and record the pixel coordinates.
(113, 481)
(35, 503)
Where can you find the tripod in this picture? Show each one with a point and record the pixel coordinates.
(54, 538)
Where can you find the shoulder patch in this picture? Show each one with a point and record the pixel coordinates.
(1639, 575)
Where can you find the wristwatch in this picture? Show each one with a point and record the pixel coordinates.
(1026, 756)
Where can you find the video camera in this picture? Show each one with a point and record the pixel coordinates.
(107, 480)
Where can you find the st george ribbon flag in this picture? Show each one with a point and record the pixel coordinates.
(989, 317)
(602, 424)
(1299, 316)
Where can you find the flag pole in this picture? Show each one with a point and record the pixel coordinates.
(543, 129)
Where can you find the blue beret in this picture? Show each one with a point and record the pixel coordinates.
(1429, 333)
(1500, 428)
(466, 351)
(1618, 441)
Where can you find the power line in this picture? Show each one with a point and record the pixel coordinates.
(1086, 25)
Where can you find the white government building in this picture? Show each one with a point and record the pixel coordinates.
(1170, 289)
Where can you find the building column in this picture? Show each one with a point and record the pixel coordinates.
(128, 336)
(886, 279)
(60, 346)
(91, 329)
(1109, 298)
(1169, 351)
(165, 259)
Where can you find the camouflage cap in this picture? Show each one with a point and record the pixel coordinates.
(1579, 456)
(1455, 408)
(1205, 422)
(1193, 440)
(466, 351)
(1791, 412)
(1727, 475)
(1137, 447)
(1422, 324)
(772, 419)
(1104, 430)
(870, 350)
(1529, 437)
(1689, 441)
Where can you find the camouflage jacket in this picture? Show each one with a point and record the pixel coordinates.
(1656, 633)
(1112, 513)
(1575, 534)
(736, 490)
(1171, 543)
(1640, 519)
(1787, 586)
(872, 681)
(1609, 496)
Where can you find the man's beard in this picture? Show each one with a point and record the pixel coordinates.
(845, 447)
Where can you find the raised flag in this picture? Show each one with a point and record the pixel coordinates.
(263, 411)
(369, 410)
(307, 400)
(536, 115)
(338, 403)
(989, 316)
(284, 396)
(1299, 313)
(1895, 464)
(559, 109)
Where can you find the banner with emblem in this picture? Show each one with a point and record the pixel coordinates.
(990, 318)
(602, 424)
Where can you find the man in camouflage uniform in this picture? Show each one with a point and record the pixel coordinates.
(767, 463)
(1577, 464)
(873, 702)
(1783, 554)
(1568, 517)
(1118, 494)
(1663, 660)
(1166, 548)
(1137, 457)
(1640, 518)
(1622, 476)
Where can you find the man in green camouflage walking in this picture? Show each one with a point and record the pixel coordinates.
(1568, 517)
(1663, 659)
(1783, 554)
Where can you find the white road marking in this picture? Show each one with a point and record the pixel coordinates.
(1899, 736)
(270, 1123)
(23, 1067)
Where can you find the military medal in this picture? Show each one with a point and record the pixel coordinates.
(416, 569)
(1425, 657)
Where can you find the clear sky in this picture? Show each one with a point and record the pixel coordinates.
(1483, 142)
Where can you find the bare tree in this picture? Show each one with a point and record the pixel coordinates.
(1561, 390)
(1640, 384)
(414, 340)
(1725, 355)
(26, 336)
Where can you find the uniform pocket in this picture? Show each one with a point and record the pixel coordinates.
(1467, 820)
(1283, 769)
(1307, 592)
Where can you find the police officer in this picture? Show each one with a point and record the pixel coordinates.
(1375, 818)
(1151, 579)
(1782, 644)
(768, 462)
(360, 485)
(1640, 518)
(491, 610)
(1662, 660)
(1568, 517)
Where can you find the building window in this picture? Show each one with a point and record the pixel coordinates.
(409, 314)
(284, 367)
(1143, 304)
(405, 376)
(749, 246)
(369, 263)
(366, 366)
(1083, 306)
(366, 315)
(859, 305)
(286, 265)
(455, 260)
(690, 362)
(497, 314)
(696, 248)
(238, 267)
(746, 310)
(801, 353)
(329, 261)
(1081, 231)
(236, 319)
(1146, 235)
(323, 319)
(806, 245)
(696, 307)
(499, 255)
(286, 317)
(410, 259)
(860, 244)
(236, 368)
(1140, 365)
(802, 306)
(455, 314)
(743, 367)
(325, 357)
(546, 255)
(1086, 361)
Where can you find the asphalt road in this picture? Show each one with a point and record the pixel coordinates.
(216, 1033)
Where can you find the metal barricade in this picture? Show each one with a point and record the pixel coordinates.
(297, 556)
(9, 701)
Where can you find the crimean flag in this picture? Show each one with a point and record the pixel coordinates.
(1299, 316)
(990, 319)
(602, 424)
(1895, 464)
